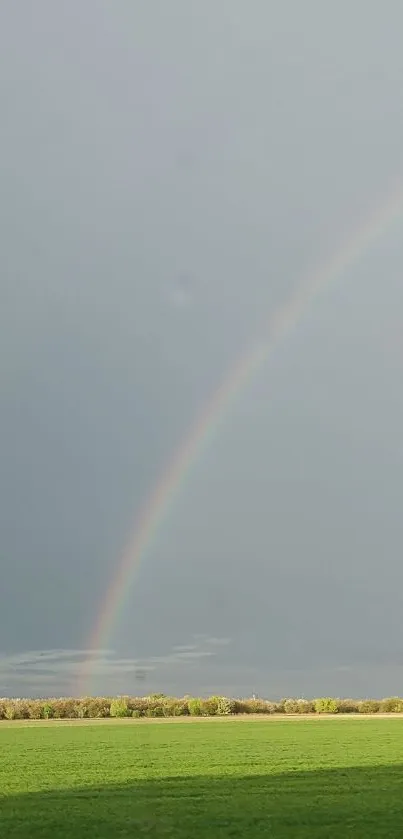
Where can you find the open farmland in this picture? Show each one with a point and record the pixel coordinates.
(303, 778)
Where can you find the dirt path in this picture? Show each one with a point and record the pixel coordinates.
(187, 720)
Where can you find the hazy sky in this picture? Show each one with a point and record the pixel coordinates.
(169, 172)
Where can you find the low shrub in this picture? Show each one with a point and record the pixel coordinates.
(391, 705)
(137, 703)
(80, 710)
(369, 706)
(296, 706)
(174, 708)
(119, 708)
(23, 709)
(347, 706)
(64, 708)
(257, 706)
(180, 709)
(47, 711)
(225, 706)
(167, 709)
(159, 705)
(35, 709)
(14, 709)
(155, 711)
(195, 707)
(305, 706)
(10, 711)
(209, 707)
(98, 708)
(291, 706)
(326, 705)
(241, 706)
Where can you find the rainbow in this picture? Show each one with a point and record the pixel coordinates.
(158, 505)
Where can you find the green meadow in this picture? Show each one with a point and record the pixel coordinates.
(302, 778)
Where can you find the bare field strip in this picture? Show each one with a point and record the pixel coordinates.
(190, 720)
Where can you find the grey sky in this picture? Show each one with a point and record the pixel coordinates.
(169, 171)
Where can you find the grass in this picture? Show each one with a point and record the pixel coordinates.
(308, 778)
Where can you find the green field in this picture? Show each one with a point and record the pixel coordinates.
(305, 778)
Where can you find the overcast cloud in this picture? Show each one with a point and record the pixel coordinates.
(168, 174)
